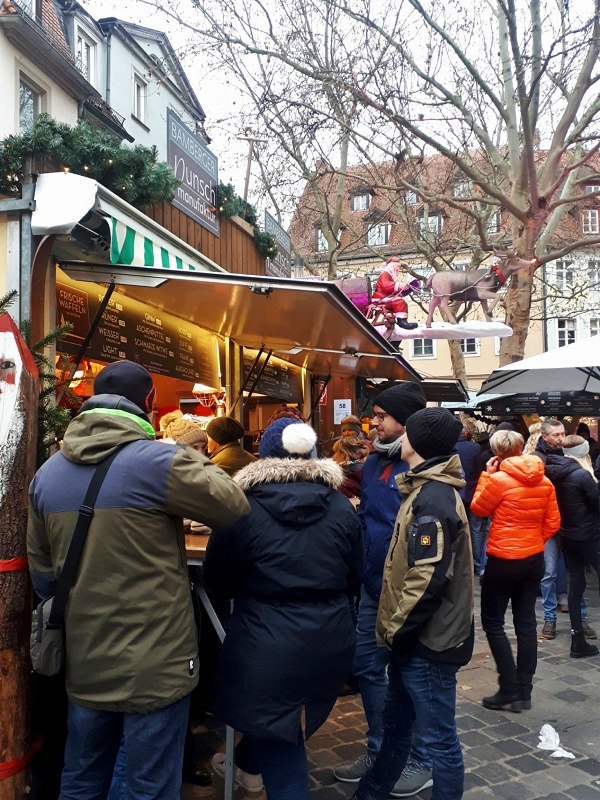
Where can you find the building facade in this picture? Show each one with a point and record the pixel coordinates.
(375, 220)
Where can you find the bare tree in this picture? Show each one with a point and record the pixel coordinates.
(506, 91)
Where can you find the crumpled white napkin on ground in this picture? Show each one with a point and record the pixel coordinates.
(550, 740)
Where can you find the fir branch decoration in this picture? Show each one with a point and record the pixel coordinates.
(133, 173)
(232, 205)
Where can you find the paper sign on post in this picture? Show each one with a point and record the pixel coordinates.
(341, 409)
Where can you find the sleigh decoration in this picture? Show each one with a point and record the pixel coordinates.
(442, 288)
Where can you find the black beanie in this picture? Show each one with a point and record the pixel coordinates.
(401, 400)
(433, 432)
(224, 430)
(127, 379)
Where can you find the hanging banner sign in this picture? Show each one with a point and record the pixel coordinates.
(281, 265)
(161, 342)
(197, 170)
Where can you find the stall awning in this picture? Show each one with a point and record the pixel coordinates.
(445, 391)
(308, 323)
(90, 222)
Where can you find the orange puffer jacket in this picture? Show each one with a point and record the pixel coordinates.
(523, 504)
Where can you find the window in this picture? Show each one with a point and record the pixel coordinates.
(86, 56)
(30, 100)
(430, 225)
(565, 274)
(410, 198)
(378, 235)
(422, 348)
(589, 221)
(360, 202)
(566, 332)
(139, 98)
(322, 246)
(592, 188)
(594, 326)
(469, 347)
(594, 274)
(493, 224)
(461, 189)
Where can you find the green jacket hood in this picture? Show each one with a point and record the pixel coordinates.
(105, 422)
(442, 469)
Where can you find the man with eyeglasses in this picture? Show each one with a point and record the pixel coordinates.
(378, 511)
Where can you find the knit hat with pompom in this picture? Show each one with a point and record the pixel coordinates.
(287, 438)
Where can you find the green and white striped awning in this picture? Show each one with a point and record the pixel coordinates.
(78, 210)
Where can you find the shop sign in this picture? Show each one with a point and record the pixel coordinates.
(161, 342)
(545, 403)
(281, 265)
(197, 170)
(341, 409)
(279, 379)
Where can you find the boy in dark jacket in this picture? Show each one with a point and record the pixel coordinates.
(426, 609)
(380, 501)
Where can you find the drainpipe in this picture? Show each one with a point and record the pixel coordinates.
(108, 66)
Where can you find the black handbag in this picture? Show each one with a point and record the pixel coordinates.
(47, 644)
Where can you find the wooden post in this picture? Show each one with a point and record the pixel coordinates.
(18, 414)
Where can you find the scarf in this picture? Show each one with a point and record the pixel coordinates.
(389, 449)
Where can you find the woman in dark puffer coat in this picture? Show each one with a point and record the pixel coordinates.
(578, 498)
(289, 565)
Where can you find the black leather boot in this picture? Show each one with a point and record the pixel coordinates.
(504, 700)
(579, 646)
(404, 323)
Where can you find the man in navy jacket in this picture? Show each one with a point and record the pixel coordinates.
(378, 511)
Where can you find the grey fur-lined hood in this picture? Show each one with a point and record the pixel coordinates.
(295, 491)
(290, 470)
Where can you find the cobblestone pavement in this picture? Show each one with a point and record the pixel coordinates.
(500, 748)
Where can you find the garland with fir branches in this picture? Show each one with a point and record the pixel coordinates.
(232, 205)
(133, 173)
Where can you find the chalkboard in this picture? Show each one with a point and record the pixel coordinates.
(161, 342)
(546, 403)
(279, 379)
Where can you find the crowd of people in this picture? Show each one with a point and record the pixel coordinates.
(362, 564)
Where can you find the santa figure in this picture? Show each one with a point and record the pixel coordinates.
(389, 289)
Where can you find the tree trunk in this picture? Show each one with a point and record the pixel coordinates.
(18, 408)
(518, 312)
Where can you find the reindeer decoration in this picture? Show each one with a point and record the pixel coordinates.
(475, 285)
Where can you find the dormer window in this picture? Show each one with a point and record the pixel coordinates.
(592, 188)
(461, 189)
(86, 55)
(379, 235)
(360, 202)
(322, 245)
(589, 221)
(430, 225)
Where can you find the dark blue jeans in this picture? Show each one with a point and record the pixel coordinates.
(422, 691)
(283, 765)
(153, 749)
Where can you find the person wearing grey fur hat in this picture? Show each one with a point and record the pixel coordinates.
(425, 616)
(291, 565)
(380, 501)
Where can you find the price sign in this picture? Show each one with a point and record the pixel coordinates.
(341, 409)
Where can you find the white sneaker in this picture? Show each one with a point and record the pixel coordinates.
(251, 783)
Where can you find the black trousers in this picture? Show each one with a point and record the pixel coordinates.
(577, 555)
(516, 582)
